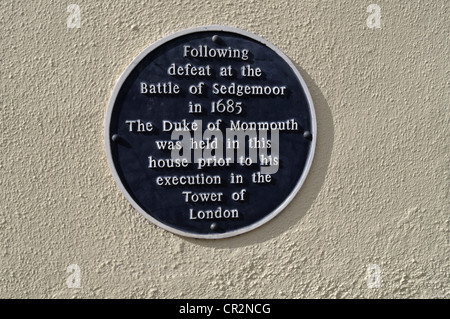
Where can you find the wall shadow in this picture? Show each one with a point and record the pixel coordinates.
(302, 202)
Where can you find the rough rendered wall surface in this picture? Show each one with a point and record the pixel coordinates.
(377, 193)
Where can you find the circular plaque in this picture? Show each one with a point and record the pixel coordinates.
(210, 132)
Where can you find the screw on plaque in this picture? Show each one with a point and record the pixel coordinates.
(307, 135)
(217, 39)
(115, 138)
(213, 226)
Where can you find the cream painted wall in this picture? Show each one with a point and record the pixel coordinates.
(377, 193)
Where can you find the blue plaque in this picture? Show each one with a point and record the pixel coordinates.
(210, 132)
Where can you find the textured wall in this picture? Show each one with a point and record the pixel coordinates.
(377, 193)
